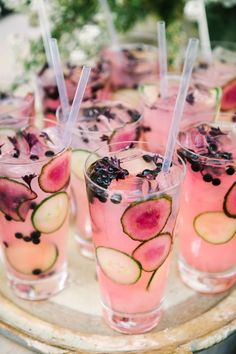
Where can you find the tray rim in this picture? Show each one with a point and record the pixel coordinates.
(206, 329)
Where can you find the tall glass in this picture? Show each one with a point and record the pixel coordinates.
(133, 210)
(158, 112)
(97, 88)
(98, 122)
(207, 224)
(34, 204)
(221, 72)
(132, 64)
(17, 103)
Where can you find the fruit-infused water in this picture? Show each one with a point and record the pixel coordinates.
(133, 211)
(221, 72)
(99, 122)
(34, 207)
(97, 88)
(207, 226)
(17, 106)
(132, 64)
(158, 112)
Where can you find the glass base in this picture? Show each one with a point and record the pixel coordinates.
(40, 289)
(205, 282)
(132, 323)
(85, 246)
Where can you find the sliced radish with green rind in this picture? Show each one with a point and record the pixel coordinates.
(152, 254)
(12, 195)
(25, 257)
(78, 158)
(50, 214)
(146, 219)
(215, 227)
(229, 205)
(55, 174)
(118, 266)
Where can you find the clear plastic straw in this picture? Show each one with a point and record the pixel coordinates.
(190, 57)
(204, 33)
(45, 29)
(57, 66)
(70, 122)
(110, 24)
(161, 36)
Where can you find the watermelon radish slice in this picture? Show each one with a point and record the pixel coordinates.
(79, 156)
(145, 220)
(120, 136)
(12, 195)
(229, 204)
(215, 227)
(151, 254)
(118, 266)
(55, 174)
(51, 213)
(228, 100)
(30, 259)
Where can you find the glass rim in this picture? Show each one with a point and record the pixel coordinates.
(181, 164)
(40, 161)
(206, 159)
(103, 102)
(133, 45)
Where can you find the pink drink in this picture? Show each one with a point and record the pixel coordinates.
(100, 122)
(158, 112)
(97, 88)
(221, 72)
(34, 204)
(133, 211)
(207, 242)
(132, 64)
(17, 107)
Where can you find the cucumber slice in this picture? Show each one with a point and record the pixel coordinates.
(215, 227)
(79, 156)
(51, 213)
(229, 204)
(31, 259)
(118, 266)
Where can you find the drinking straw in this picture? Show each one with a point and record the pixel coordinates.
(110, 24)
(57, 66)
(70, 122)
(161, 37)
(45, 29)
(190, 57)
(204, 33)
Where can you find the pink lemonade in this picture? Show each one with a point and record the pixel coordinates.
(207, 224)
(133, 211)
(221, 72)
(132, 64)
(99, 122)
(34, 204)
(158, 112)
(97, 88)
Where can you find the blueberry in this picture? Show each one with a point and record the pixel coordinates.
(8, 217)
(18, 235)
(230, 170)
(33, 205)
(196, 167)
(207, 177)
(34, 157)
(27, 238)
(36, 241)
(49, 153)
(147, 158)
(35, 234)
(116, 198)
(36, 271)
(216, 181)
